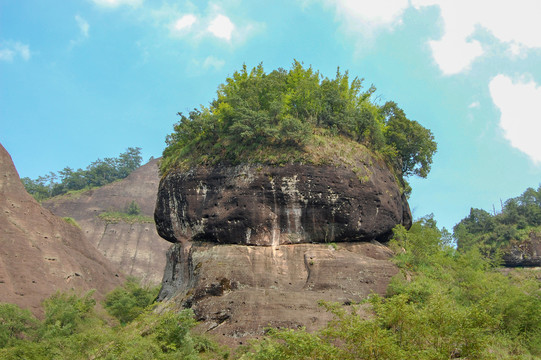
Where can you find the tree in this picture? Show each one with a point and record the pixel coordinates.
(129, 300)
(414, 144)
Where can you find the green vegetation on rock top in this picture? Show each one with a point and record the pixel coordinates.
(490, 232)
(289, 116)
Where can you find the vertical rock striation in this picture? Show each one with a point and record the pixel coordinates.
(264, 205)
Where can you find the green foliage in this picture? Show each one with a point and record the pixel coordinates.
(65, 312)
(489, 232)
(413, 143)
(279, 118)
(114, 217)
(71, 221)
(15, 324)
(98, 173)
(73, 330)
(133, 208)
(129, 300)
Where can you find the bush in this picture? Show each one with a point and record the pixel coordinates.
(129, 300)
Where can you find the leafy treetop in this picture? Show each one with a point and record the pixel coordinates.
(518, 217)
(259, 117)
(98, 173)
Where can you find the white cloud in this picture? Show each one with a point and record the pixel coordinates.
(83, 25)
(520, 113)
(10, 50)
(184, 23)
(221, 27)
(116, 3)
(367, 16)
(513, 22)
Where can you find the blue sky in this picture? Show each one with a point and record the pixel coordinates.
(85, 79)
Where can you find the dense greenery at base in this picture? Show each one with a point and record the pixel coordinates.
(444, 304)
(278, 117)
(98, 173)
(74, 328)
(518, 218)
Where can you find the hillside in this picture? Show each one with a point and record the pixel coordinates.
(134, 247)
(41, 253)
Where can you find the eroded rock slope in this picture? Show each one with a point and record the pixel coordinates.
(136, 248)
(41, 253)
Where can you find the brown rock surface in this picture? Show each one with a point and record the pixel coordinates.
(265, 205)
(135, 248)
(525, 253)
(41, 253)
(237, 290)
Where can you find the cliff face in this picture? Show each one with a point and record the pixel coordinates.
(41, 253)
(263, 205)
(237, 291)
(135, 248)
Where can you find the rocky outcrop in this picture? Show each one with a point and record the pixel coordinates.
(41, 253)
(264, 205)
(525, 253)
(258, 246)
(237, 291)
(135, 248)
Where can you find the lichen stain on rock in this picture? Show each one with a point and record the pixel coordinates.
(265, 205)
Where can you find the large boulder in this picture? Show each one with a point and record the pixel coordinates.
(272, 205)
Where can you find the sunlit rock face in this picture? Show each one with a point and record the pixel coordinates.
(237, 291)
(265, 205)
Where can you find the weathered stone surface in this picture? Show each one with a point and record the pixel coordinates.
(523, 254)
(135, 248)
(264, 205)
(41, 253)
(237, 291)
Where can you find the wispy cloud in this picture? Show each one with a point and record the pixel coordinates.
(11, 50)
(116, 3)
(212, 62)
(84, 27)
(474, 105)
(520, 119)
(367, 16)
